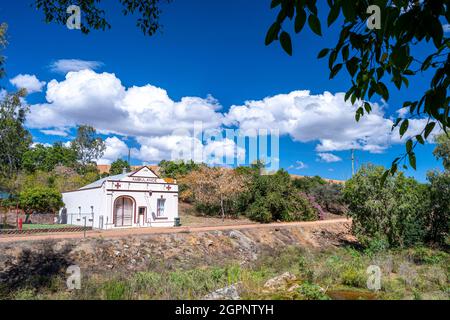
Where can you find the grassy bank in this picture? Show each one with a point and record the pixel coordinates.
(339, 273)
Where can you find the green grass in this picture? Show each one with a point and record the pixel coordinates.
(338, 273)
(44, 226)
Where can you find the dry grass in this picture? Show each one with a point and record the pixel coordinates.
(189, 217)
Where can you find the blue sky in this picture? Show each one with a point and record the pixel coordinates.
(206, 48)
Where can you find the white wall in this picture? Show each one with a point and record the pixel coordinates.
(102, 199)
(143, 199)
(81, 201)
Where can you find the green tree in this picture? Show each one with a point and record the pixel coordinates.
(438, 220)
(118, 166)
(177, 169)
(87, 145)
(442, 150)
(14, 138)
(94, 18)
(40, 199)
(273, 197)
(372, 56)
(307, 184)
(394, 213)
(46, 159)
(3, 43)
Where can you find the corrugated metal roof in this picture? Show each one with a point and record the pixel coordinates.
(98, 183)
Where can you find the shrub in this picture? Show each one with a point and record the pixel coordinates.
(312, 292)
(177, 169)
(273, 197)
(40, 199)
(307, 184)
(393, 212)
(353, 277)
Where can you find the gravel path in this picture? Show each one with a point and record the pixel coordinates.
(117, 233)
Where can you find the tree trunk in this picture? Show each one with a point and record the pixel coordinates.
(221, 207)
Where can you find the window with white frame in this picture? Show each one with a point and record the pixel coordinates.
(160, 207)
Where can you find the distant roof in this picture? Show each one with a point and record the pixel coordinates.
(99, 183)
(104, 168)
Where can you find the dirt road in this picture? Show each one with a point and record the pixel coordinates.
(118, 233)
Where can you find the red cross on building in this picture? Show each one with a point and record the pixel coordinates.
(117, 185)
(168, 187)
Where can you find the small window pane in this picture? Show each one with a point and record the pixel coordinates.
(160, 207)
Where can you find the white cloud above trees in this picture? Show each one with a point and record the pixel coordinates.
(162, 127)
(325, 118)
(328, 157)
(67, 65)
(27, 81)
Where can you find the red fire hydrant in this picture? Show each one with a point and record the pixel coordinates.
(19, 224)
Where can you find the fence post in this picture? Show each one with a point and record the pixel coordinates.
(84, 231)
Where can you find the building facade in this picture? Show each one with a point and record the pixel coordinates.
(128, 200)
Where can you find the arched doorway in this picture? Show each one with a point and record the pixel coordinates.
(123, 212)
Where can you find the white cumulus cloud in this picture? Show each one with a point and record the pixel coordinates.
(100, 99)
(298, 165)
(328, 157)
(55, 132)
(325, 118)
(28, 81)
(67, 65)
(163, 127)
(115, 149)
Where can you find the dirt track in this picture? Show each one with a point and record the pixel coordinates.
(118, 233)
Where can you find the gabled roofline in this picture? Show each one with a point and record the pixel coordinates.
(84, 189)
(157, 175)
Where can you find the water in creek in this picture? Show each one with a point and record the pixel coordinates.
(348, 294)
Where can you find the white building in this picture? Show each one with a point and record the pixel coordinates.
(134, 199)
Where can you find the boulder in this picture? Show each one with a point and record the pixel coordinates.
(226, 293)
(280, 282)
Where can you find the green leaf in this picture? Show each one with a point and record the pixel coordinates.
(382, 90)
(404, 127)
(323, 53)
(384, 177)
(314, 24)
(359, 113)
(412, 160)
(409, 146)
(345, 52)
(272, 33)
(348, 8)
(420, 139)
(368, 107)
(429, 128)
(300, 20)
(275, 3)
(334, 13)
(352, 66)
(286, 44)
(335, 70)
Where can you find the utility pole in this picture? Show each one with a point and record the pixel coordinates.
(353, 162)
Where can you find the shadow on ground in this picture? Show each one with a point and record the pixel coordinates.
(35, 269)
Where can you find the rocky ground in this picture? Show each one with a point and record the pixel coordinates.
(318, 260)
(178, 250)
